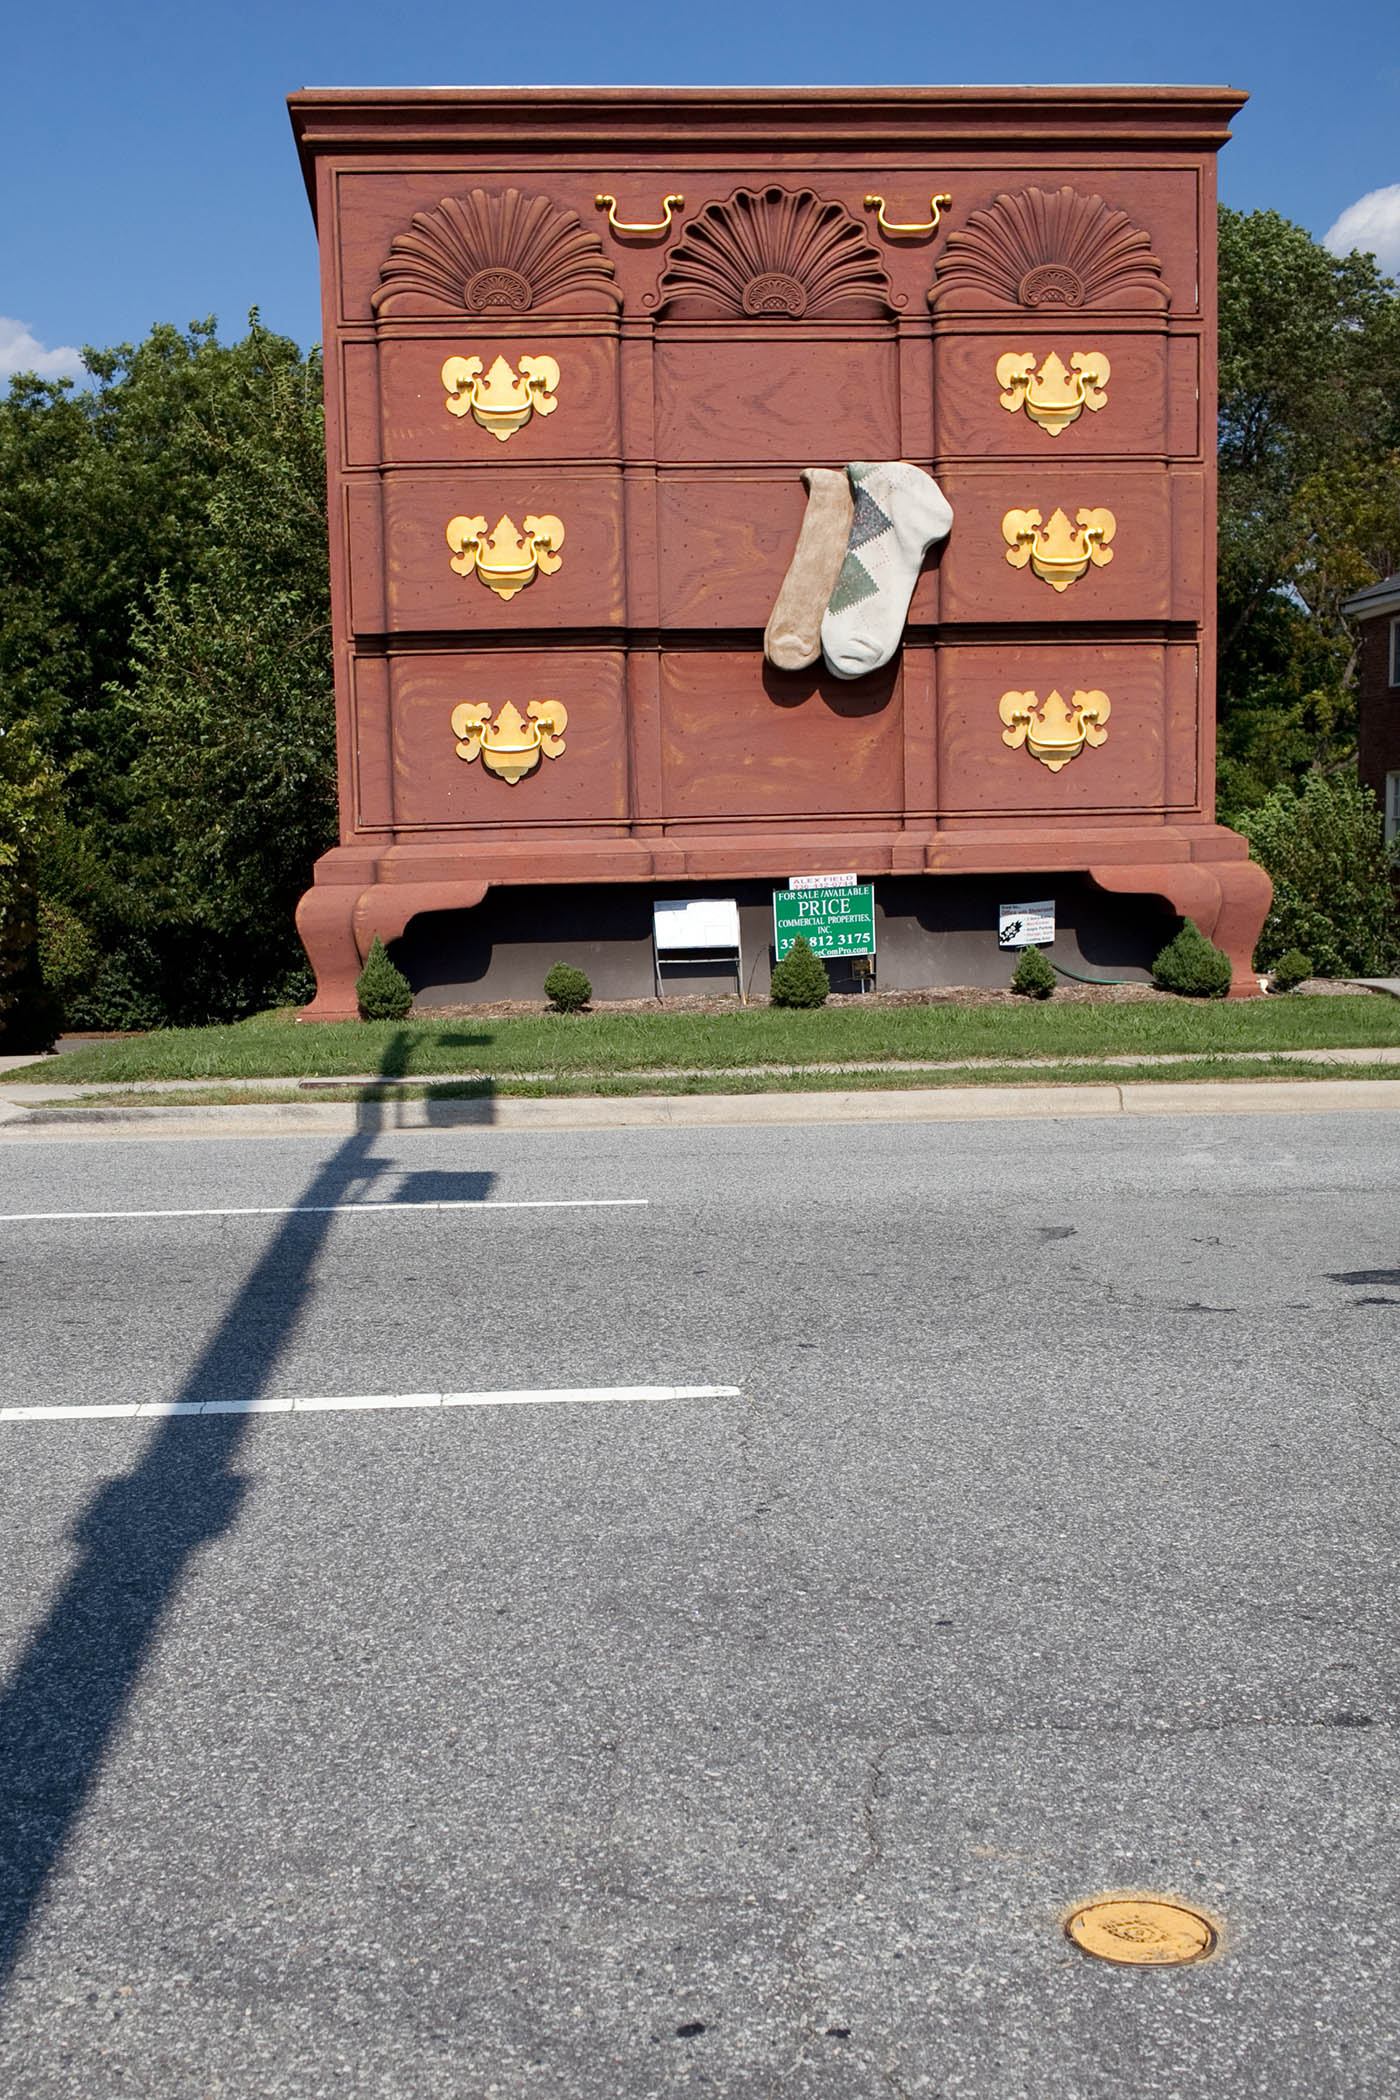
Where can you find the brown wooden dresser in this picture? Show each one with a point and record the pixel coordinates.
(564, 447)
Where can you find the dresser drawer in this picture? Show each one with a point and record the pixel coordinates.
(417, 425)
(424, 594)
(777, 397)
(1145, 384)
(434, 788)
(741, 740)
(1158, 534)
(1146, 754)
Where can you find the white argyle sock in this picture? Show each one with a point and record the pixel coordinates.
(899, 513)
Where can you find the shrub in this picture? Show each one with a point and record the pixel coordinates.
(1033, 976)
(1291, 969)
(1189, 964)
(68, 955)
(800, 979)
(1333, 895)
(384, 993)
(17, 932)
(567, 989)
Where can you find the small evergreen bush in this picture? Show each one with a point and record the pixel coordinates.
(800, 979)
(1290, 970)
(383, 992)
(1033, 976)
(567, 989)
(1192, 966)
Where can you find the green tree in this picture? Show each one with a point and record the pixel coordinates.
(229, 710)
(164, 629)
(1332, 876)
(1309, 493)
(28, 795)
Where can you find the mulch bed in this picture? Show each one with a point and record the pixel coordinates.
(945, 995)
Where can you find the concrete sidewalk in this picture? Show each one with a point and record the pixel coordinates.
(601, 1112)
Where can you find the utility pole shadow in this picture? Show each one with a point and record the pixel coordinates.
(82, 1663)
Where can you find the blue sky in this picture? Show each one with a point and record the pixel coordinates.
(149, 173)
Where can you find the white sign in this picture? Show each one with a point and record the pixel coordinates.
(1026, 925)
(697, 922)
(822, 882)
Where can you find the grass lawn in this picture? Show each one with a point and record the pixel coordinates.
(271, 1046)
(620, 1085)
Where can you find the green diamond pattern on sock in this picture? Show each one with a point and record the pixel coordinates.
(853, 585)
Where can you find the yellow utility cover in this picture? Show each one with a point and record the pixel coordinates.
(1141, 1929)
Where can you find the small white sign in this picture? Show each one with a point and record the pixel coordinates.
(697, 922)
(1026, 925)
(822, 882)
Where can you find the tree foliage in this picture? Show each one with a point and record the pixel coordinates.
(28, 798)
(165, 649)
(1309, 494)
(1332, 877)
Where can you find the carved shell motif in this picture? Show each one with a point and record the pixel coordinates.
(1050, 250)
(774, 253)
(496, 252)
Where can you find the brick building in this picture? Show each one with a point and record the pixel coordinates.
(1377, 614)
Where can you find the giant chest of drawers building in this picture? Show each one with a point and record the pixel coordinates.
(580, 346)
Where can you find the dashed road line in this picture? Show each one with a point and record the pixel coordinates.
(319, 1210)
(528, 1396)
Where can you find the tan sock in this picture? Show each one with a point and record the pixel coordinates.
(793, 637)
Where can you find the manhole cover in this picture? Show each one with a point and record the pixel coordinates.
(1141, 1929)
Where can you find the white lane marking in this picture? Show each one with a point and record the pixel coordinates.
(297, 1210)
(526, 1397)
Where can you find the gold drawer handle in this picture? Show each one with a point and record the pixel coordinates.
(937, 205)
(511, 745)
(1058, 552)
(609, 204)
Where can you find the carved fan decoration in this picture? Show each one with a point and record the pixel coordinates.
(774, 254)
(1051, 251)
(496, 252)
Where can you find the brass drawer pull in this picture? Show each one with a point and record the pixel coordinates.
(936, 205)
(609, 204)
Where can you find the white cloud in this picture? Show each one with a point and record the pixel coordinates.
(1371, 224)
(22, 352)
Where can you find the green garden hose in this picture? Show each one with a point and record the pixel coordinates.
(1079, 978)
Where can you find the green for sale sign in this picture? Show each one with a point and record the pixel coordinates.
(835, 918)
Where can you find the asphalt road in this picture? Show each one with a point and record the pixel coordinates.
(748, 1745)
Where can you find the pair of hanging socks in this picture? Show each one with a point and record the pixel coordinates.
(899, 513)
(793, 637)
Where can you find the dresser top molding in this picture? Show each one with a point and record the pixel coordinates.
(346, 122)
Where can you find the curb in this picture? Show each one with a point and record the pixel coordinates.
(682, 1111)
